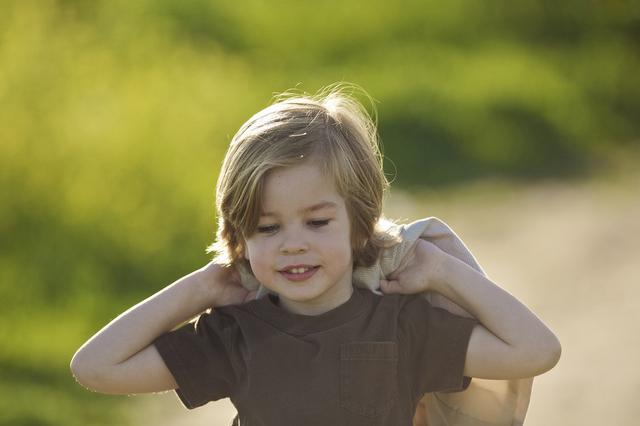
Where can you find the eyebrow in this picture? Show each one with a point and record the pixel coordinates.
(319, 206)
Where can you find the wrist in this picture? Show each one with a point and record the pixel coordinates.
(207, 279)
(435, 264)
(221, 284)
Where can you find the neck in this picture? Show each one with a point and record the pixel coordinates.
(316, 307)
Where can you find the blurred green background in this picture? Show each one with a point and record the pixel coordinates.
(115, 115)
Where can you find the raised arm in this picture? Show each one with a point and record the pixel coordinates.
(510, 341)
(121, 359)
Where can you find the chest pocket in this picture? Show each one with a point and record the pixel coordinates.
(368, 377)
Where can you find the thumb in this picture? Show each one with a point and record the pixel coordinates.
(250, 296)
(390, 286)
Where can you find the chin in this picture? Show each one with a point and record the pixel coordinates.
(301, 294)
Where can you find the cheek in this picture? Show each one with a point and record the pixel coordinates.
(258, 255)
(339, 246)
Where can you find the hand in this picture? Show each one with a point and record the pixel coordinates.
(225, 285)
(417, 272)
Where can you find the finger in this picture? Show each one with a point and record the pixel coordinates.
(234, 275)
(395, 275)
(251, 296)
(390, 286)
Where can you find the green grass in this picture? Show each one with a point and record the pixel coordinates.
(115, 116)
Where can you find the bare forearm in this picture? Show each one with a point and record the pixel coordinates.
(510, 341)
(137, 327)
(496, 309)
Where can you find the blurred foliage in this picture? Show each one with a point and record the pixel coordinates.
(115, 115)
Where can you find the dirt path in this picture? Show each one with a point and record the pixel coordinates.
(571, 252)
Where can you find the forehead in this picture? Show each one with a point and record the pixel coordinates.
(322, 205)
(300, 188)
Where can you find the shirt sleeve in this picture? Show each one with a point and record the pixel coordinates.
(436, 343)
(199, 356)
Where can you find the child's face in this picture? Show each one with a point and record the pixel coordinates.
(302, 248)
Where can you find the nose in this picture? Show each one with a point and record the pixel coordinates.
(293, 242)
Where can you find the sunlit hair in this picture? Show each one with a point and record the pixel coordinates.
(331, 129)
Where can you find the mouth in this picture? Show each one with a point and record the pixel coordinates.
(298, 272)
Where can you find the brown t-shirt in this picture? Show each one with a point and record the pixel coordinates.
(366, 362)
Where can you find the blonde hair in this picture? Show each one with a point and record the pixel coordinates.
(330, 128)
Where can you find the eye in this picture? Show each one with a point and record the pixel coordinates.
(267, 229)
(319, 223)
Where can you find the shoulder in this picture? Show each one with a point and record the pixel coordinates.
(402, 307)
(235, 310)
(414, 302)
(231, 315)
(416, 311)
(221, 317)
(404, 303)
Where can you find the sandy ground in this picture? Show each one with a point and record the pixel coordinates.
(569, 251)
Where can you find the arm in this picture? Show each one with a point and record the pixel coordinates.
(510, 341)
(121, 359)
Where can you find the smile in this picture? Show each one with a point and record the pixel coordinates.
(299, 270)
(299, 273)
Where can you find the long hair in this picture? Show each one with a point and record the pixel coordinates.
(331, 129)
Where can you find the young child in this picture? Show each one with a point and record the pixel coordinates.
(299, 203)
